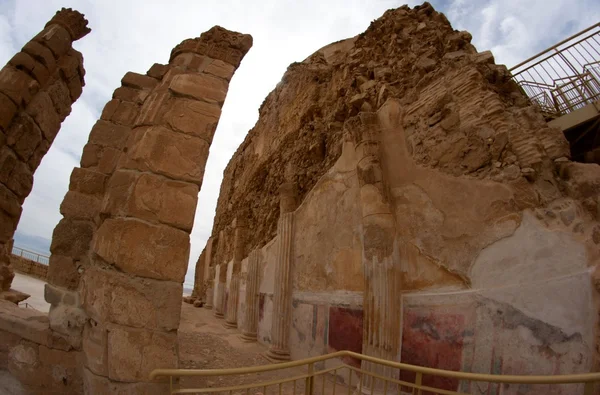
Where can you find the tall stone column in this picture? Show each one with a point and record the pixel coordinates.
(198, 291)
(210, 290)
(282, 298)
(131, 284)
(239, 241)
(382, 302)
(220, 281)
(37, 88)
(250, 330)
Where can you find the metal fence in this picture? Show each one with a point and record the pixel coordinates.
(31, 255)
(381, 377)
(566, 76)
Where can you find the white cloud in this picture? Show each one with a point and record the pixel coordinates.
(132, 35)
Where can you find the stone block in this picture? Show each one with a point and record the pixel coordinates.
(135, 247)
(90, 157)
(109, 109)
(200, 87)
(153, 109)
(138, 81)
(42, 111)
(8, 161)
(95, 347)
(24, 362)
(88, 181)
(42, 54)
(108, 134)
(24, 61)
(171, 154)
(38, 155)
(62, 271)
(195, 118)
(108, 160)
(135, 353)
(10, 212)
(68, 321)
(72, 238)
(23, 136)
(158, 70)
(130, 94)
(61, 98)
(59, 371)
(75, 85)
(93, 384)
(52, 294)
(21, 180)
(125, 113)
(17, 85)
(56, 38)
(151, 197)
(8, 109)
(136, 302)
(77, 205)
(220, 69)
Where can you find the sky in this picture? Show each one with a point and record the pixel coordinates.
(131, 35)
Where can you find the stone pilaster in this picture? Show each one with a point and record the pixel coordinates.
(232, 301)
(131, 286)
(282, 297)
(382, 302)
(210, 290)
(220, 281)
(250, 330)
(37, 88)
(239, 241)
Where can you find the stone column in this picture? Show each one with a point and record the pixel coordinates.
(198, 291)
(239, 241)
(282, 298)
(220, 280)
(382, 302)
(37, 88)
(209, 274)
(131, 285)
(252, 287)
(210, 290)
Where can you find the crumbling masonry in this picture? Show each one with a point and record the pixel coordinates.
(37, 88)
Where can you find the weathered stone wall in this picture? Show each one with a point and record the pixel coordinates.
(29, 267)
(37, 88)
(453, 201)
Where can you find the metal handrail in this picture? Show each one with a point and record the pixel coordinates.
(588, 379)
(31, 255)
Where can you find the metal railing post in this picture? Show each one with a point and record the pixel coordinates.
(418, 381)
(309, 383)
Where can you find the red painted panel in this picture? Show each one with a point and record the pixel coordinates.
(345, 331)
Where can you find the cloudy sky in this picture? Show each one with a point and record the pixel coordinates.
(131, 35)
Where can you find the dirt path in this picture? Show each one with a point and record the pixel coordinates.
(205, 344)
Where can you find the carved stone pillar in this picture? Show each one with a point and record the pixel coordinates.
(210, 291)
(239, 241)
(250, 330)
(382, 302)
(37, 88)
(282, 298)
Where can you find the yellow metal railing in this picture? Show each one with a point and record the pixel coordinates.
(564, 77)
(376, 376)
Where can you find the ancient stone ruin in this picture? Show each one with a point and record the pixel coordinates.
(408, 202)
(37, 88)
(399, 196)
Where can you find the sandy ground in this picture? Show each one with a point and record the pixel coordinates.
(205, 344)
(33, 287)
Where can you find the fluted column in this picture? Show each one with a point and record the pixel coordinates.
(220, 280)
(210, 290)
(252, 286)
(382, 303)
(282, 298)
(239, 241)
